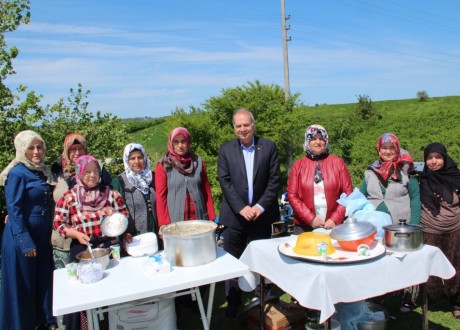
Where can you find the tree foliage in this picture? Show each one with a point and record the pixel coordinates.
(422, 96)
(20, 109)
(211, 125)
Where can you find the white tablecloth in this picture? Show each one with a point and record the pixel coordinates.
(320, 286)
(126, 280)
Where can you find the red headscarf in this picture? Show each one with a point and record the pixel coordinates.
(390, 169)
(184, 164)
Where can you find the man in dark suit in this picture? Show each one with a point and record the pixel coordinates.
(248, 173)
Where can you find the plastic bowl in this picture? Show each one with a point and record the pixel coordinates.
(353, 245)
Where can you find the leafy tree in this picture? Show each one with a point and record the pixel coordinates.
(21, 110)
(365, 109)
(422, 96)
(211, 125)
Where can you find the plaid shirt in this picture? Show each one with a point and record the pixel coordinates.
(68, 215)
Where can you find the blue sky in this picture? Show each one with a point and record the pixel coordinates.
(147, 57)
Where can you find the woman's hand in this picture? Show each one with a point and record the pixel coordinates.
(329, 224)
(127, 238)
(317, 223)
(82, 238)
(31, 253)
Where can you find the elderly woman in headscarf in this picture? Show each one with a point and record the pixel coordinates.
(388, 185)
(182, 187)
(316, 182)
(137, 186)
(440, 198)
(80, 210)
(27, 261)
(75, 145)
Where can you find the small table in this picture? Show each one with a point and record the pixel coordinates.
(125, 280)
(320, 286)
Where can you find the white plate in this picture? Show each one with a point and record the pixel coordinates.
(340, 256)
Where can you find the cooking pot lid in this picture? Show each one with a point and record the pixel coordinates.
(352, 230)
(403, 226)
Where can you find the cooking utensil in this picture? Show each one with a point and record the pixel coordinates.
(90, 249)
(403, 237)
(101, 255)
(193, 244)
(351, 234)
(114, 225)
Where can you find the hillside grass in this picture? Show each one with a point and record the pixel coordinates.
(415, 123)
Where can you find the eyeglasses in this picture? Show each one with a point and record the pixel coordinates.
(88, 172)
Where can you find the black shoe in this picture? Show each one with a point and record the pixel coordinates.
(232, 311)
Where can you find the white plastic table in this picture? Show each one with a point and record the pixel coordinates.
(126, 280)
(320, 286)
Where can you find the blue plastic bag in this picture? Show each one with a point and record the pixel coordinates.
(358, 207)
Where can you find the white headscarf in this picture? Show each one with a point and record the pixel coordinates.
(140, 180)
(22, 142)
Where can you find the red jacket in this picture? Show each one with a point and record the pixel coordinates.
(336, 180)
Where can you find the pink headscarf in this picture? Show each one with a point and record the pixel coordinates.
(183, 164)
(89, 199)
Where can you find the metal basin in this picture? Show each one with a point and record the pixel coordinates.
(190, 243)
(101, 255)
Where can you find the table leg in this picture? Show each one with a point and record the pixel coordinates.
(262, 303)
(424, 306)
(92, 320)
(204, 318)
(212, 288)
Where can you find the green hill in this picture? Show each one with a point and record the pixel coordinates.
(415, 123)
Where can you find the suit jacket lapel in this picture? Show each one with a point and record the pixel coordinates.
(257, 156)
(240, 160)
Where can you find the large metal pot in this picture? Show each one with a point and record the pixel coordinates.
(190, 243)
(403, 237)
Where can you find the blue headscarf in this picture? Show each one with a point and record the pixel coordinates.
(140, 180)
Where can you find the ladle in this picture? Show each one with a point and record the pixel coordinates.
(90, 249)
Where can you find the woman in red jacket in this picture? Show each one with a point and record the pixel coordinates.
(315, 184)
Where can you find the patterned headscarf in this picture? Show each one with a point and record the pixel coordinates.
(311, 131)
(89, 199)
(390, 169)
(184, 164)
(71, 139)
(140, 180)
(22, 142)
(438, 186)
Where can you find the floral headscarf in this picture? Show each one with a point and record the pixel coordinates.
(142, 180)
(22, 141)
(390, 169)
(311, 131)
(184, 164)
(71, 139)
(438, 186)
(89, 199)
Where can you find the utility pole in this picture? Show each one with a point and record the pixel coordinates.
(284, 18)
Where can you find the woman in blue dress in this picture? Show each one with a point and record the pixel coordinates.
(27, 260)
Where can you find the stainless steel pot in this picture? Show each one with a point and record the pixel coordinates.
(403, 237)
(101, 255)
(190, 243)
